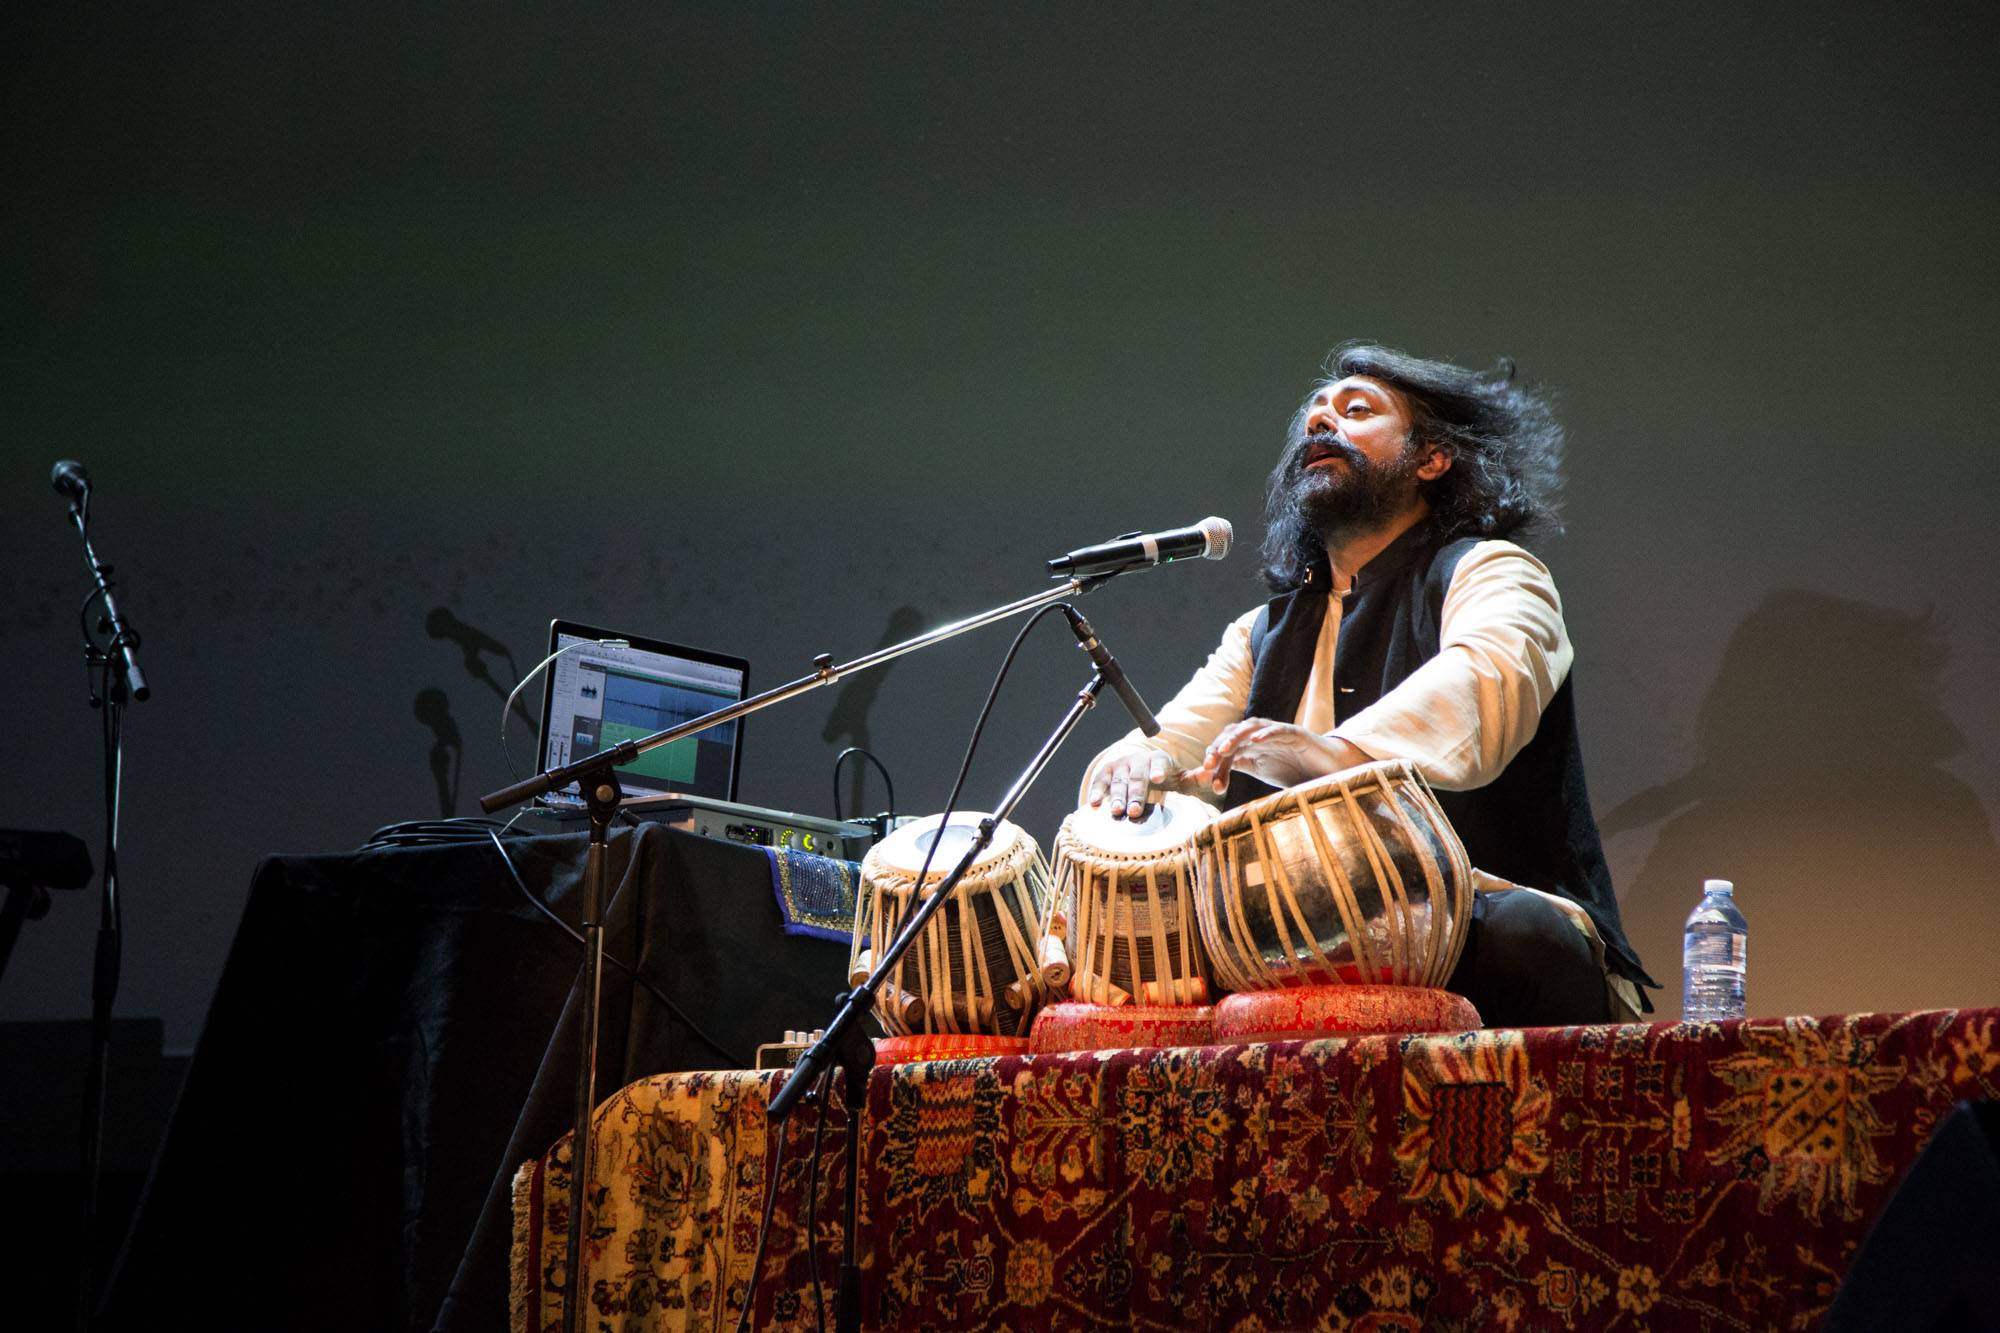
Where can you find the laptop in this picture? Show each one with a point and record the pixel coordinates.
(598, 695)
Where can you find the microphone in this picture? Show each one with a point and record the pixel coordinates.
(1114, 675)
(70, 479)
(1208, 539)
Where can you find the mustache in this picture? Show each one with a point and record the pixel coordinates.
(1312, 448)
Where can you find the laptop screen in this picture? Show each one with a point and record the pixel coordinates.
(598, 695)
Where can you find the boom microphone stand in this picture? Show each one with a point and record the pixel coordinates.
(115, 680)
(599, 784)
(844, 1040)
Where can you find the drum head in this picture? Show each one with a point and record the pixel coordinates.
(904, 851)
(1168, 825)
(977, 966)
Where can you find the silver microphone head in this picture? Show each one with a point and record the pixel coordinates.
(1219, 535)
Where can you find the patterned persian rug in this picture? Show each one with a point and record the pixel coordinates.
(1637, 1177)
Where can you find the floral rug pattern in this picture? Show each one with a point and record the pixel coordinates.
(1634, 1177)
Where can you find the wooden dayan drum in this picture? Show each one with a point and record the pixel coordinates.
(1127, 889)
(982, 967)
(1354, 877)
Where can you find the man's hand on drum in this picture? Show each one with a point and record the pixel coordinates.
(1130, 781)
(1279, 753)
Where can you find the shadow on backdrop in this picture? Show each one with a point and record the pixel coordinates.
(847, 720)
(475, 644)
(433, 709)
(1868, 873)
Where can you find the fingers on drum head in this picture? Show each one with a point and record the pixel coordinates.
(1127, 888)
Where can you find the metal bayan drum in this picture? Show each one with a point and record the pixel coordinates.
(1354, 877)
(1127, 889)
(982, 966)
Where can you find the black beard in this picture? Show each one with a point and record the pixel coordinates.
(1356, 495)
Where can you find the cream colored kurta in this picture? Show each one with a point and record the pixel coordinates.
(1460, 718)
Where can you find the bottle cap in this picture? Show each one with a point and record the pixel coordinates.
(1718, 886)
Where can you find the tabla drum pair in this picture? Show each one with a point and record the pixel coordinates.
(1337, 905)
(1356, 878)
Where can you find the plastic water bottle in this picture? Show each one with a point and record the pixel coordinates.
(1713, 953)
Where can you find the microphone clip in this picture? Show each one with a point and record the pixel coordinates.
(1108, 668)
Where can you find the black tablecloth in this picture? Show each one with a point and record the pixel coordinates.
(394, 1033)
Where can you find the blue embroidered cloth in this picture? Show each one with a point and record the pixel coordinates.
(815, 893)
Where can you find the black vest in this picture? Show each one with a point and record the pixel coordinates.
(1532, 824)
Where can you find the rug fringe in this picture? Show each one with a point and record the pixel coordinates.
(521, 1263)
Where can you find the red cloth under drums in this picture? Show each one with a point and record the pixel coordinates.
(945, 1046)
(1340, 1011)
(1072, 1026)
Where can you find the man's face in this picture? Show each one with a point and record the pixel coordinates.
(1352, 458)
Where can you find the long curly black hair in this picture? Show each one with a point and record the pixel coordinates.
(1505, 446)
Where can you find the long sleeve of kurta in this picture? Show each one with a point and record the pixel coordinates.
(1460, 717)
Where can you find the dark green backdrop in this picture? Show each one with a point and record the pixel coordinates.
(784, 328)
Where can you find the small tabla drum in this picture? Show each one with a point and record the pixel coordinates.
(981, 967)
(1352, 878)
(1127, 889)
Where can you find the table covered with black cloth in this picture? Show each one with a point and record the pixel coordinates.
(394, 1033)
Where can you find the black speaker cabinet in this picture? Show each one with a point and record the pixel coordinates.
(1931, 1264)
